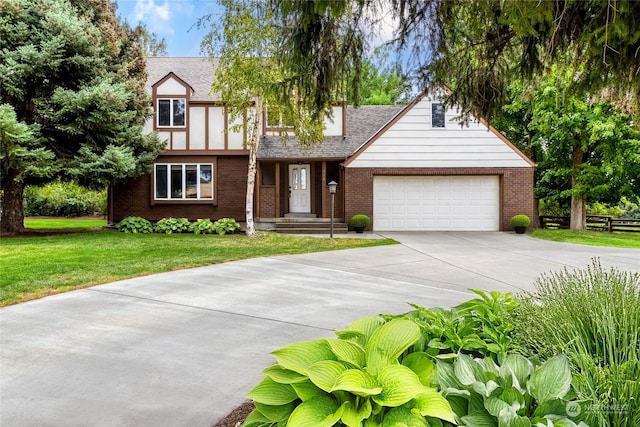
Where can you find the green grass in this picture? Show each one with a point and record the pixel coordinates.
(593, 238)
(33, 267)
(57, 223)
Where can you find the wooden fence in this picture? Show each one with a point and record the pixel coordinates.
(594, 222)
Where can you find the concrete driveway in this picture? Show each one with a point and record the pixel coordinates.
(183, 348)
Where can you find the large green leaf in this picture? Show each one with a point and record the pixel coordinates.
(403, 417)
(300, 356)
(519, 368)
(389, 341)
(479, 420)
(321, 411)
(430, 403)
(550, 381)
(325, 373)
(447, 376)
(283, 376)
(347, 351)
(423, 366)
(508, 418)
(270, 392)
(307, 390)
(276, 413)
(255, 418)
(399, 385)
(353, 416)
(357, 382)
(493, 405)
(467, 370)
(361, 330)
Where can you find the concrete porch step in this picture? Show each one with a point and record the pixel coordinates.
(315, 227)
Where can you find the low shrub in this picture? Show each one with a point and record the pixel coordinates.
(63, 199)
(202, 226)
(226, 226)
(520, 221)
(359, 220)
(172, 225)
(136, 225)
(593, 316)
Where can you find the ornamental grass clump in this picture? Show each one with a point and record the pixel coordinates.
(593, 316)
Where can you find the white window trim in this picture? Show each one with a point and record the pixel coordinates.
(183, 184)
(171, 112)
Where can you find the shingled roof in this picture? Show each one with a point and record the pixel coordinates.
(362, 123)
(196, 71)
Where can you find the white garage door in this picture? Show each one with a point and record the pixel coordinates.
(443, 203)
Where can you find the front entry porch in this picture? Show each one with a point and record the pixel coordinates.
(296, 191)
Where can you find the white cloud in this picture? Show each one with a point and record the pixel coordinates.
(155, 16)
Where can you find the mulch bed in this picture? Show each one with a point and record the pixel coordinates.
(237, 416)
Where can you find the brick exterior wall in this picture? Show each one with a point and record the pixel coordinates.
(134, 197)
(516, 188)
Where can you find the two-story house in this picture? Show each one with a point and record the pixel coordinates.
(412, 167)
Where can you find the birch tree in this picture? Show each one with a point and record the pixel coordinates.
(249, 79)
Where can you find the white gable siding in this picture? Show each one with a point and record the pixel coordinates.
(411, 142)
(236, 138)
(197, 128)
(216, 128)
(171, 87)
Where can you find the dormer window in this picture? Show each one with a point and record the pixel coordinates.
(437, 115)
(172, 112)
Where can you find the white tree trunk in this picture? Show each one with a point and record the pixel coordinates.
(253, 144)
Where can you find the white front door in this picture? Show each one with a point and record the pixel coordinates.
(299, 189)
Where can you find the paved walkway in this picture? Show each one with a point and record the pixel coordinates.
(182, 348)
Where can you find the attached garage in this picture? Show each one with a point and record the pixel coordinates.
(436, 203)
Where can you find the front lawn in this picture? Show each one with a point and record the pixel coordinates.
(33, 267)
(59, 223)
(588, 237)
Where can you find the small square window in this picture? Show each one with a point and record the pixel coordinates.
(172, 112)
(437, 116)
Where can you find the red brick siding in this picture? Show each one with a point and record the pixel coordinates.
(516, 188)
(268, 202)
(133, 198)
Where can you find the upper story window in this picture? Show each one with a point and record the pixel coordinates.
(278, 118)
(172, 112)
(183, 181)
(437, 115)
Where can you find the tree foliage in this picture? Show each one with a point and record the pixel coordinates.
(475, 47)
(587, 151)
(381, 85)
(249, 78)
(75, 77)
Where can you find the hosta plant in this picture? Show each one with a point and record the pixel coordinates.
(135, 224)
(203, 226)
(515, 393)
(481, 326)
(172, 225)
(364, 377)
(226, 226)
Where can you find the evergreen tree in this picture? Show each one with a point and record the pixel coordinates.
(75, 77)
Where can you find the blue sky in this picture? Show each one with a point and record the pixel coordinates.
(172, 20)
